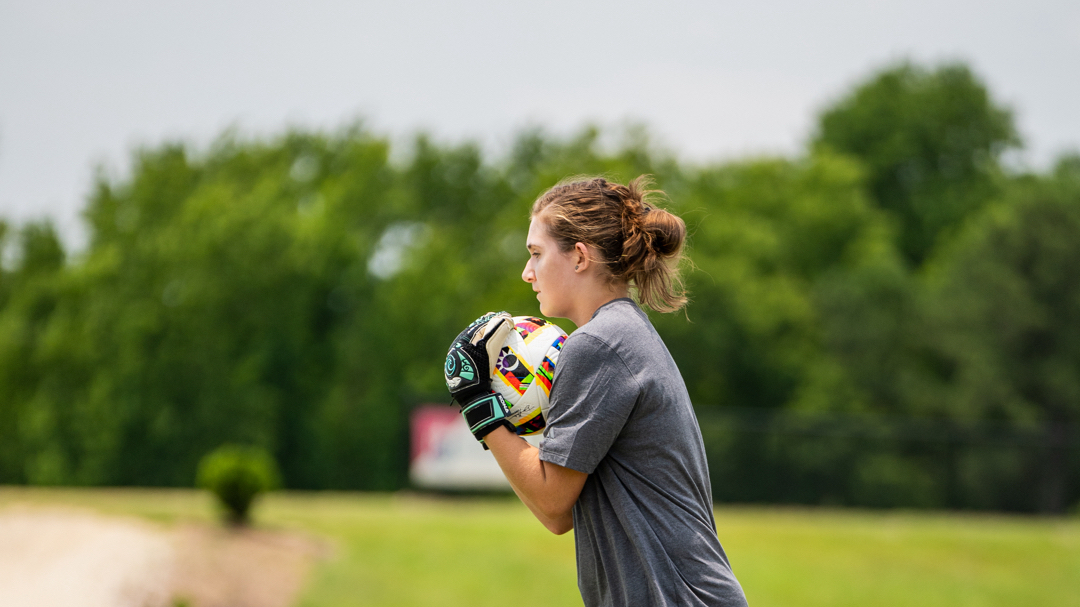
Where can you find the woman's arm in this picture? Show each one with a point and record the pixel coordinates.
(548, 490)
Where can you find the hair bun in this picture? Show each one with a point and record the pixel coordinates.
(668, 231)
(653, 229)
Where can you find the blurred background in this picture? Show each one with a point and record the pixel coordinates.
(254, 223)
(262, 223)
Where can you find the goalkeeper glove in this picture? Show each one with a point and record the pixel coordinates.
(468, 368)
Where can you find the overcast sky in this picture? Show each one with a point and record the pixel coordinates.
(81, 82)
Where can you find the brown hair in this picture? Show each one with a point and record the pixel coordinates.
(637, 241)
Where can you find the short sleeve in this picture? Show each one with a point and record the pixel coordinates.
(592, 396)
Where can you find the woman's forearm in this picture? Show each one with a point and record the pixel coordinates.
(548, 490)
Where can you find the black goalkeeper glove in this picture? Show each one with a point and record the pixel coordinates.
(468, 369)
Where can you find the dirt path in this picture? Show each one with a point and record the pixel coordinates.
(62, 558)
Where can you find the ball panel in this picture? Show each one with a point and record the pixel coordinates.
(527, 325)
(512, 369)
(545, 373)
(532, 425)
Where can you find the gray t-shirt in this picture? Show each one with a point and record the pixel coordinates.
(643, 525)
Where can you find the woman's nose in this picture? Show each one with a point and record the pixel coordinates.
(527, 273)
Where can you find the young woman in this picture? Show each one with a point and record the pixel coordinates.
(622, 461)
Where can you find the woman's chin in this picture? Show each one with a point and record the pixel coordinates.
(546, 311)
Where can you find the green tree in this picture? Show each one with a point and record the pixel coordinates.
(1006, 297)
(767, 236)
(30, 294)
(763, 233)
(931, 141)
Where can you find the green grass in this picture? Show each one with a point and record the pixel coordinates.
(818, 558)
(405, 550)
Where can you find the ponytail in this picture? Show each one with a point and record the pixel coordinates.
(638, 242)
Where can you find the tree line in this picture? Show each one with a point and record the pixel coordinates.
(299, 292)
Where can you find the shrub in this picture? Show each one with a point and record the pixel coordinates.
(237, 475)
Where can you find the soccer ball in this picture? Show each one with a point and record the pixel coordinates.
(524, 371)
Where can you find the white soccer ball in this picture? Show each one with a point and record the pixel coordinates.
(525, 369)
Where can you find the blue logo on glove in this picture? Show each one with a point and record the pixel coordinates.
(458, 370)
(466, 367)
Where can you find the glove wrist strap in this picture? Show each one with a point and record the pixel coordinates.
(483, 414)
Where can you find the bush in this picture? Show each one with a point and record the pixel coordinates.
(237, 475)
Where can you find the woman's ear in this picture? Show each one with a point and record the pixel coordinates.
(581, 257)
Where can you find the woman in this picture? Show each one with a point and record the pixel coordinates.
(622, 461)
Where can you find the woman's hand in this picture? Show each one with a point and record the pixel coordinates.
(467, 372)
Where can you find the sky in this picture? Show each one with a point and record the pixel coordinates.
(82, 84)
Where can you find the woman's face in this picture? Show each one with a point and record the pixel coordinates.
(550, 271)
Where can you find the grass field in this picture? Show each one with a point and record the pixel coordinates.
(406, 550)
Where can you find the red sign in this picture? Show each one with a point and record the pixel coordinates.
(444, 454)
